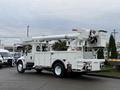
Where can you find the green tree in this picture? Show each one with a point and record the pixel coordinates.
(60, 45)
(112, 50)
(100, 54)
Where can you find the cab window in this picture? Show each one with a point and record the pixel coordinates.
(28, 48)
(38, 48)
(44, 47)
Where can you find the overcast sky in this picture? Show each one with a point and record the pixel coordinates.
(57, 16)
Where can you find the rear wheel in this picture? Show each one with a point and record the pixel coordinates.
(59, 70)
(20, 67)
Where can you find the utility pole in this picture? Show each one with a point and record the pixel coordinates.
(28, 30)
(0, 43)
(114, 33)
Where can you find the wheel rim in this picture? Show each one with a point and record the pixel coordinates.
(58, 70)
(20, 67)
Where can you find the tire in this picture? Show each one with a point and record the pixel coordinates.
(0, 66)
(11, 64)
(20, 67)
(38, 70)
(59, 70)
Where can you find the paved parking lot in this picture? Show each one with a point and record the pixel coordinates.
(30, 80)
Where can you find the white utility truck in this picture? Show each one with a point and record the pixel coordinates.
(80, 56)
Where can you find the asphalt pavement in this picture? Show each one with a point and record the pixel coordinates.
(10, 79)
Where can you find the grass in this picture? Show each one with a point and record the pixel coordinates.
(109, 71)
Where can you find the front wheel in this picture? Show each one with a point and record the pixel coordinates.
(20, 67)
(59, 70)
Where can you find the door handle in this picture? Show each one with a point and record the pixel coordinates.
(31, 57)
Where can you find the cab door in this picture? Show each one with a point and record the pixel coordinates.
(42, 55)
(46, 54)
(47, 58)
(28, 53)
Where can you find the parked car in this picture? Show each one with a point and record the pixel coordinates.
(6, 58)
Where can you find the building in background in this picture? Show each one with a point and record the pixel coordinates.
(10, 43)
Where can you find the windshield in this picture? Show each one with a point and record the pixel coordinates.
(5, 54)
(17, 55)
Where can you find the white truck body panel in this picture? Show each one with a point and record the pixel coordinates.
(75, 58)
